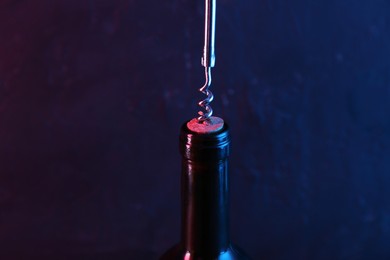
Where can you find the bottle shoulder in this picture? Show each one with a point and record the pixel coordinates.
(179, 253)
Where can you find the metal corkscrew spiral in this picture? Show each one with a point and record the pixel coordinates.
(205, 103)
(208, 60)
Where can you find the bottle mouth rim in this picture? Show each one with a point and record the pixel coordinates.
(213, 146)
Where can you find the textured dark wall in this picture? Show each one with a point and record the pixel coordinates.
(93, 93)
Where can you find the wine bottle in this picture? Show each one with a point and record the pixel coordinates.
(204, 197)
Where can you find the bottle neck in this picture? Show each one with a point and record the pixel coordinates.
(205, 195)
(205, 207)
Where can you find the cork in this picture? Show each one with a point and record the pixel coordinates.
(212, 125)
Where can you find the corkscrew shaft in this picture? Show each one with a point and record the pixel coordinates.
(208, 59)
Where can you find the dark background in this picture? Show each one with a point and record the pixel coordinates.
(93, 94)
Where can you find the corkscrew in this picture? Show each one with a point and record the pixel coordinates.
(208, 60)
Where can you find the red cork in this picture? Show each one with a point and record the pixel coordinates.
(213, 124)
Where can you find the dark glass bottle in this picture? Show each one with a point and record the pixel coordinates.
(204, 198)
